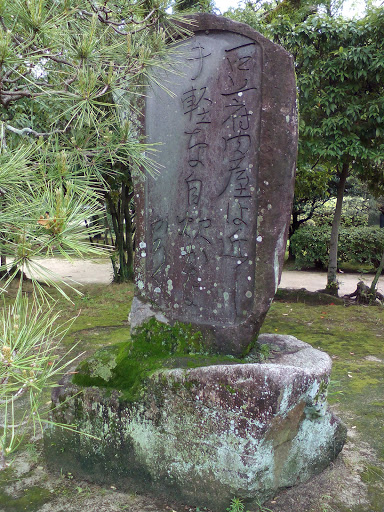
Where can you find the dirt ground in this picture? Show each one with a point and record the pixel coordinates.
(80, 271)
(100, 271)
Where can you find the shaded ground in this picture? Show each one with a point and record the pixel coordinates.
(353, 336)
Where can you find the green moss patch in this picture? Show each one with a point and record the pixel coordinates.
(31, 500)
(372, 474)
(126, 366)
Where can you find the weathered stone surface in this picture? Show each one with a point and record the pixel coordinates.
(206, 434)
(211, 228)
(143, 311)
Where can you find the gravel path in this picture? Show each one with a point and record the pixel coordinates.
(313, 281)
(100, 271)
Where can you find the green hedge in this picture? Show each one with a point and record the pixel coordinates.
(355, 212)
(364, 245)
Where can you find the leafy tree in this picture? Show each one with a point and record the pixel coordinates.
(312, 190)
(261, 14)
(340, 75)
(63, 67)
(194, 6)
(340, 78)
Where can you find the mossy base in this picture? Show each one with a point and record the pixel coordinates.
(153, 346)
(202, 435)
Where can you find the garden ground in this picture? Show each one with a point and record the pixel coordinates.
(100, 271)
(354, 338)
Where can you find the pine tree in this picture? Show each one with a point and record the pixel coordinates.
(64, 67)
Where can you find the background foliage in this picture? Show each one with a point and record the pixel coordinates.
(361, 246)
(340, 77)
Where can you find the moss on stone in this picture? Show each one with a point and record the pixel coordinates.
(229, 388)
(250, 347)
(126, 366)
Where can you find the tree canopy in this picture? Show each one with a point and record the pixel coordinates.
(340, 79)
(340, 69)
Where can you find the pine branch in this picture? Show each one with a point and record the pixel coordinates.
(115, 24)
(16, 395)
(29, 131)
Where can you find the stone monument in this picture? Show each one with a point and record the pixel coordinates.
(210, 418)
(212, 228)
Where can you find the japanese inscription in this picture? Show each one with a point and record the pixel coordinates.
(202, 226)
(211, 228)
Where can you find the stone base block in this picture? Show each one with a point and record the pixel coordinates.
(204, 435)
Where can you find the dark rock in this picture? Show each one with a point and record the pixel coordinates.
(212, 227)
(307, 297)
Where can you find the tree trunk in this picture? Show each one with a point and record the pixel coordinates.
(128, 230)
(122, 259)
(377, 275)
(332, 285)
(294, 226)
(298, 219)
(3, 258)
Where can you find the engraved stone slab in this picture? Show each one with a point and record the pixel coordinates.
(211, 228)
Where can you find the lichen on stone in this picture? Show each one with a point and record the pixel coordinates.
(102, 365)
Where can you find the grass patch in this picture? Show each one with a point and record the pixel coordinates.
(354, 338)
(31, 500)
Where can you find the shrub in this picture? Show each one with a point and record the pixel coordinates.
(363, 245)
(355, 212)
